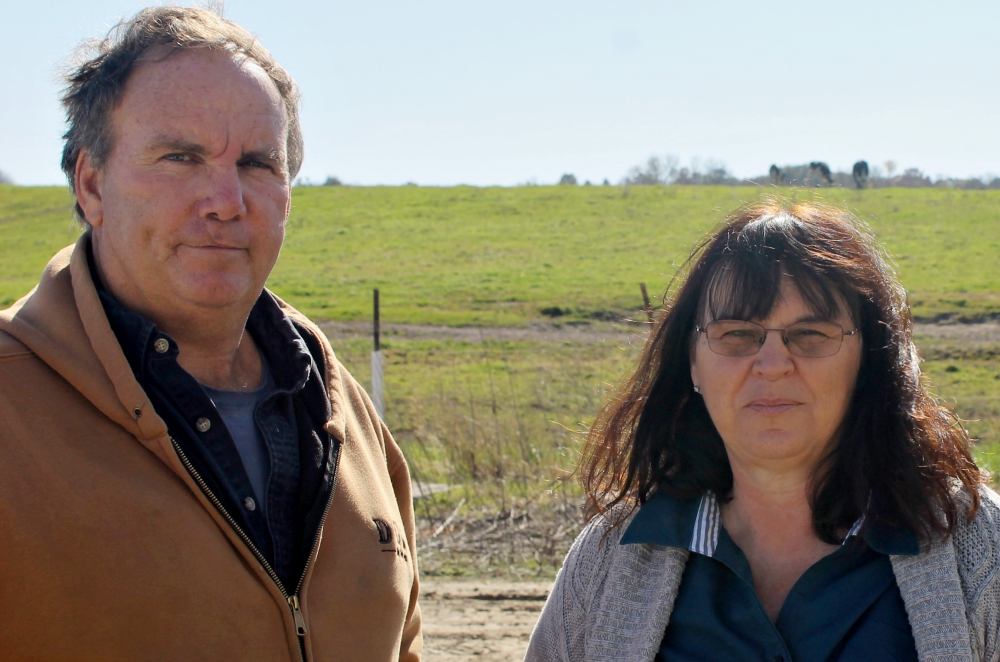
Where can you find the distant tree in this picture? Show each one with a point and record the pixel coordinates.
(890, 168)
(654, 172)
(5, 179)
(913, 178)
(715, 173)
(605, 182)
(648, 176)
(777, 178)
(568, 179)
(860, 174)
(332, 181)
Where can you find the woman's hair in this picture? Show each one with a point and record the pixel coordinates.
(900, 456)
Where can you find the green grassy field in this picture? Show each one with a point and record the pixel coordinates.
(504, 420)
(498, 256)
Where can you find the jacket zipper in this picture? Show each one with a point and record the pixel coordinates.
(293, 599)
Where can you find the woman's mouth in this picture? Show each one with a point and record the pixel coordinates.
(772, 406)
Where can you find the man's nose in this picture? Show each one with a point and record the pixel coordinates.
(223, 196)
(773, 360)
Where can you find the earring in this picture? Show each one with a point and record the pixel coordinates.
(696, 389)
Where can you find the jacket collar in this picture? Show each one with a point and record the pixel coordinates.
(64, 323)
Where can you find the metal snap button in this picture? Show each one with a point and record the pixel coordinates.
(161, 345)
(250, 504)
(203, 424)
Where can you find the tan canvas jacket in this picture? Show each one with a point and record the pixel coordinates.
(109, 550)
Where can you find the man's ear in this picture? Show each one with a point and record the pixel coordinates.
(87, 181)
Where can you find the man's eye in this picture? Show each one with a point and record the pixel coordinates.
(178, 158)
(253, 163)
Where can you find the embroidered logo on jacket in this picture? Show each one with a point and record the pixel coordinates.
(386, 537)
(384, 531)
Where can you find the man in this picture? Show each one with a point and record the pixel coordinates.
(186, 470)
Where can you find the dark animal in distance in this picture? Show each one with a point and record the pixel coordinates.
(824, 170)
(776, 175)
(860, 174)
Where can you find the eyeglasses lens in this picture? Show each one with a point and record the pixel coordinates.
(806, 339)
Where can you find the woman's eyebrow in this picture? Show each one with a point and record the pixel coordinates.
(813, 318)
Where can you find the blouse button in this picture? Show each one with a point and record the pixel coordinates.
(250, 504)
(161, 345)
(203, 424)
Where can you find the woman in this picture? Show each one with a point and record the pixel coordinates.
(774, 482)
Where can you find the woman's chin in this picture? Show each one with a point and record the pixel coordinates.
(774, 445)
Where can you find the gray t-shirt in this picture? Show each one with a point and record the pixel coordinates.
(237, 408)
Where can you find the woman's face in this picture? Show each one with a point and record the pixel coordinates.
(775, 407)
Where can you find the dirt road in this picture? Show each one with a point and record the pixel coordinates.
(484, 621)
(620, 332)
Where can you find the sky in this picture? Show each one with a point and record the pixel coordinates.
(504, 93)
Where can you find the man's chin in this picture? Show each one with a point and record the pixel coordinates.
(218, 293)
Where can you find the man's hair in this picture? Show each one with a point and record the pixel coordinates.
(96, 85)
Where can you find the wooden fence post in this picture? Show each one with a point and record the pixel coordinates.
(645, 302)
(378, 399)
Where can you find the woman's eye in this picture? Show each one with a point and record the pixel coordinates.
(808, 335)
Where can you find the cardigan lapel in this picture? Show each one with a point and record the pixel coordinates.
(935, 604)
(635, 603)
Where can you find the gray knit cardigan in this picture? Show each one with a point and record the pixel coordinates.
(612, 602)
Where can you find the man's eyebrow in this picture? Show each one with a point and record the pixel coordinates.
(178, 145)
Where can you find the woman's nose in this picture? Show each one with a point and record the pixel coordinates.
(773, 360)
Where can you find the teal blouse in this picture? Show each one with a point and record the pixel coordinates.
(846, 607)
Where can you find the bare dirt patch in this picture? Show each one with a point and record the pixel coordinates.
(543, 331)
(488, 621)
(523, 541)
(981, 332)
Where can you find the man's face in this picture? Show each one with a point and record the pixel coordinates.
(189, 211)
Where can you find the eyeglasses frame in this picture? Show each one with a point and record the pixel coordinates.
(784, 340)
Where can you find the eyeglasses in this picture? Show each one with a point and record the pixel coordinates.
(807, 339)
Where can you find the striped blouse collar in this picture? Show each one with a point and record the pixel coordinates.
(694, 524)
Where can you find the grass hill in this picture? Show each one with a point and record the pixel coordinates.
(500, 256)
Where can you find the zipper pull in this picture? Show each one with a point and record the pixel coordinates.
(300, 621)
